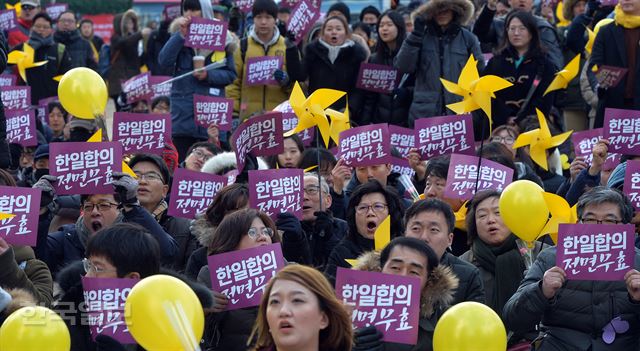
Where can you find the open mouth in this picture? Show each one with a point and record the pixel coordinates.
(334, 40)
(304, 208)
(372, 225)
(493, 230)
(95, 225)
(284, 325)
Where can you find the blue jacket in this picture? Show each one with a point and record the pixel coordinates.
(179, 58)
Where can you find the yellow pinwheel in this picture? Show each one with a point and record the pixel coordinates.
(17, 8)
(4, 216)
(540, 140)
(311, 111)
(562, 79)
(381, 238)
(24, 60)
(476, 91)
(339, 123)
(560, 212)
(97, 138)
(461, 217)
(594, 33)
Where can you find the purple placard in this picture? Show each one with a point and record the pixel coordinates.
(260, 136)
(206, 34)
(7, 80)
(260, 70)
(275, 191)
(21, 127)
(437, 136)
(210, 110)
(84, 168)
(403, 139)
(8, 20)
(172, 11)
(377, 78)
(303, 17)
(244, 5)
(192, 192)
(138, 88)
(608, 2)
(583, 143)
(43, 108)
(24, 203)
(463, 175)
(401, 166)
(290, 121)
(16, 97)
(104, 300)
(389, 302)
(632, 182)
(157, 88)
(366, 146)
(55, 10)
(610, 76)
(243, 275)
(622, 128)
(141, 132)
(595, 251)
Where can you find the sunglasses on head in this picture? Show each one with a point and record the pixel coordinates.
(27, 7)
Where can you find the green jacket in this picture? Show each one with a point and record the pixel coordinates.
(21, 269)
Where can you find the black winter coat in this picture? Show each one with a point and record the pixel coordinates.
(178, 228)
(78, 48)
(348, 248)
(158, 38)
(322, 246)
(470, 287)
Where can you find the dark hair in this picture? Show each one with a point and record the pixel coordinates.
(342, 8)
(159, 100)
(372, 10)
(364, 27)
(86, 20)
(230, 198)
(127, 246)
(431, 205)
(529, 22)
(58, 105)
(311, 155)
(75, 18)
(44, 16)
(600, 195)
(414, 244)
(472, 229)
(272, 160)
(438, 166)
(398, 21)
(497, 152)
(156, 160)
(284, 9)
(233, 227)
(6, 179)
(213, 148)
(265, 6)
(394, 203)
(193, 5)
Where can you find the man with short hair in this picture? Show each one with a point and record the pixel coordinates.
(86, 31)
(29, 8)
(432, 221)
(198, 154)
(79, 49)
(577, 313)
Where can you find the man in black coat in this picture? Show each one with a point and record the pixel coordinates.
(78, 48)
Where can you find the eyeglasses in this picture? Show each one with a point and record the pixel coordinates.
(102, 207)
(505, 140)
(599, 221)
(255, 232)
(67, 20)
(312, 190)
(520, 29)
(27, 7)
(88, 267)
(149, 176)
(377, 207)
(199, 154)
(41, 27)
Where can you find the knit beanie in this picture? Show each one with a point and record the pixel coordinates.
(616, 180)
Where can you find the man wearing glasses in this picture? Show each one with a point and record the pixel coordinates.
(99, 211)
(575, 314)
(29, 8)
(79, 49)
(198, 154)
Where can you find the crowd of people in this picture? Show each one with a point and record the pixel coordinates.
(128, 232)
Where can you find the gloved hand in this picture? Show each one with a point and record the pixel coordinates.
(592, 7)
(291, 227)
(281, 76)
(126, 187)
(367, 339)
(324, 224)
(45, 184)
(419, 25)
(107, 343)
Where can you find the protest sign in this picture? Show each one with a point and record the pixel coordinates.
(141, 133)
(275, 191)
(610, 76)
(631, 186)
(16, 97)
(366, 146)
(7, 80)
(159, 87)
(21, 127)
(260, 70)
(244, 5)
(583, 143)
(403, 139)
(260, 136)
(290, 121)
(401, 166)
(303, 16)
(444, 135)
(138, 88)
(192, 192)
(377, 78)
(463, 176)
(43, 108)
(172, 11)
(55, 10)
(595, 251)
(84, 168)
(8, 20)
(24, 204)
(104, 300)
(622, 128)
(211, 110)
(242, 275)
(391, 303)
(207, 34)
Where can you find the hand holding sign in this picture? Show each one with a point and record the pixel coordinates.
(552, 280)
(632, 280)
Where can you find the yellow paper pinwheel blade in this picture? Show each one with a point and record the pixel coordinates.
(492, 84)
(461, 217)
(37, 64)
(126, 169)
(320, 119)
(544, 127)
(557, 140)
(560, 213)
(538, 153)
(351, 261)
(4, 216)
(469, 74)
(453, 88)
(526, 138)
(325, 97)
(15, 56)
(383, 234)
(96, 137)
(297, 96)
(339, 123)
(308, 169)
(570, 71)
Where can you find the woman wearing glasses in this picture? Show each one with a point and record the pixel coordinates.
(369, 205)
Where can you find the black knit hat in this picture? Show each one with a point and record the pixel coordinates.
(341, 7)
(265, 6)
(369, 9)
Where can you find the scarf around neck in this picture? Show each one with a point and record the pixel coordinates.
(334, 51)
(625, 20)
(36, 41)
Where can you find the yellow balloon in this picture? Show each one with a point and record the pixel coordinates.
(34, 328)
(153, 314)
(470, 326)
(83, 93)
(523, 209)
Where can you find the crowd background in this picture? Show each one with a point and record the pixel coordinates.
(128, 233)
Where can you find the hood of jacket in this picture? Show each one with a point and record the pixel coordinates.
(120, 19)
(437, 294)
(19, 298)
(567, 9)
(225, 162)
(203, 230)
(462, 10)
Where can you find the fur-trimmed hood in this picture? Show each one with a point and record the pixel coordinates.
(437, 295)
(19, 298)
(225, 162)
(120, 19)
(462, 10)
(203, 230)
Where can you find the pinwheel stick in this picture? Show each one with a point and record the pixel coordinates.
(318, 161)
(480, 157)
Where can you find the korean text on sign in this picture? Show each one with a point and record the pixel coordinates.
(260, 136)
(290, 121)
(260, 70)
(463, 176)
(24, 203)
(192, 192)
(595, 251)
(85, 168)
(632, 183)
(622, 128)
(55, 10)
(8, 20)
(21, 127)
(16, 98)
(244, 5)
(242, 275)
(366, 146)
(159, 87)
(437, 136)
(303, 16)
(211, 110)
(391, 303)
(583, 143)
(206, 34)
(141, 133)
(7, 80)
(104, 300)
(377, 78)
(276, 191)
(138, 88)
(403, 139)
